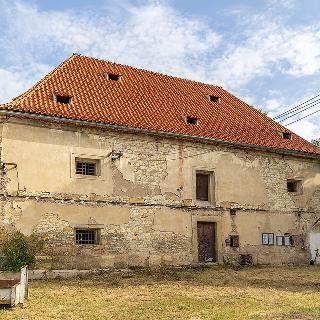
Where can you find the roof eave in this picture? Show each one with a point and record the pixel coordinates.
(43, 117)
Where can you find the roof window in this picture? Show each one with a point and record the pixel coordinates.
(191, 120)
(287, 135)
(214, 99)
(112, 76)
(62, 99)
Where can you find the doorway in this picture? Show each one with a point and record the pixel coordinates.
(206, 241)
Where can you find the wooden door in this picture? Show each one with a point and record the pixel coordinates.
(206, 241)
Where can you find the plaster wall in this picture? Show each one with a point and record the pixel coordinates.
(144, 202)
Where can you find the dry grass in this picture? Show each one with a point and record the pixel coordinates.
(210, 293)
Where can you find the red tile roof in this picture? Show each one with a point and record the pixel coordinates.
(152, 101)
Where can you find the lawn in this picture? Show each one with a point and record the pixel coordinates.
(195, 294)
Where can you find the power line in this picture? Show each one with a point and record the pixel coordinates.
(308, 115)
(299, 106)
(313, 104)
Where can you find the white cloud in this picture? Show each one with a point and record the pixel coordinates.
(14, 81)
(269, 49)
(155, 36)
(287, 4)
(151, 36)
(306, 129)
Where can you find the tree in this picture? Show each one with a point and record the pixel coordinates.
(316, 142)
(19, 250)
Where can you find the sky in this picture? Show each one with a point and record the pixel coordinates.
(267, 52)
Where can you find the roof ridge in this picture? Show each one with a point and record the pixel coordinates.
(38, 83)
(146, 70)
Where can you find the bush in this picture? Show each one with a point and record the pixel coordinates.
(19, 250)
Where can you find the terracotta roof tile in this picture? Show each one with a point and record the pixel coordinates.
(153, 101)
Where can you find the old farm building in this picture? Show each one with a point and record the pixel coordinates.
(114, 166)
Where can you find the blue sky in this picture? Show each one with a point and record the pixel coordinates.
(265, 51)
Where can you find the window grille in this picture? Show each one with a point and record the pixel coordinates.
(86, 236)
(294, 186)
(86, 168)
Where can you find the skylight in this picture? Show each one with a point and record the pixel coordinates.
(62, 99)
(112, 76)
(191, 120)
(214, 99)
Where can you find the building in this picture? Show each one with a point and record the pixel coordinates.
(115, 166)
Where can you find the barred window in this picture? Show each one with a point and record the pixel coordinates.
(87, 236)
(87, 167)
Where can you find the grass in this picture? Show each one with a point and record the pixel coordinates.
(188, 294)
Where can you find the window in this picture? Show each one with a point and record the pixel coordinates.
(268, 239)
(62, 99)
(214, 99)
(191, 120)
(234, 241)
(87, 236)
(285, 240)
(87, 167)
(294, 186)
(287, 135)
(112, 76)
(202, 186)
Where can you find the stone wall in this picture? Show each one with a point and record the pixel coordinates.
(144, 202)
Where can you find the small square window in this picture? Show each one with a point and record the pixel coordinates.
(294, 186)
(234, 241)
(191, 120)
(268, 239)
(62, 99)
(112, 76)
(87, 236)
(287, 135)
(214, 99)
(87, 167)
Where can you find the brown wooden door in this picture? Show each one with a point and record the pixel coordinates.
(206, 241)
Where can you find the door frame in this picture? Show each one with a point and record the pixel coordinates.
(218, 237)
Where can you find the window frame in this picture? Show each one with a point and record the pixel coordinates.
(98, 159)
(213, 98)
(234, 241)
(283, 240)
(96, 234)
(85, 161)
(57, 96)
(211, 186)
(298, 189)
(268, 234)
(193, 121)
(112, 76)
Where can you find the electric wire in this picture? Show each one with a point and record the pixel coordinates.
(308, 115)
(313, 104)
(299, 106)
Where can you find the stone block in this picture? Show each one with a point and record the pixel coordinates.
(107, 261)
(155, 260)
(136, 200)
(138, 260)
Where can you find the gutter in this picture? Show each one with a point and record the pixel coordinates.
(41, 117)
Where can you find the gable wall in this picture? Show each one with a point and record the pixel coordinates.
(146, 199)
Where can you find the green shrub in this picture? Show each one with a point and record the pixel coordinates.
(19, 250)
